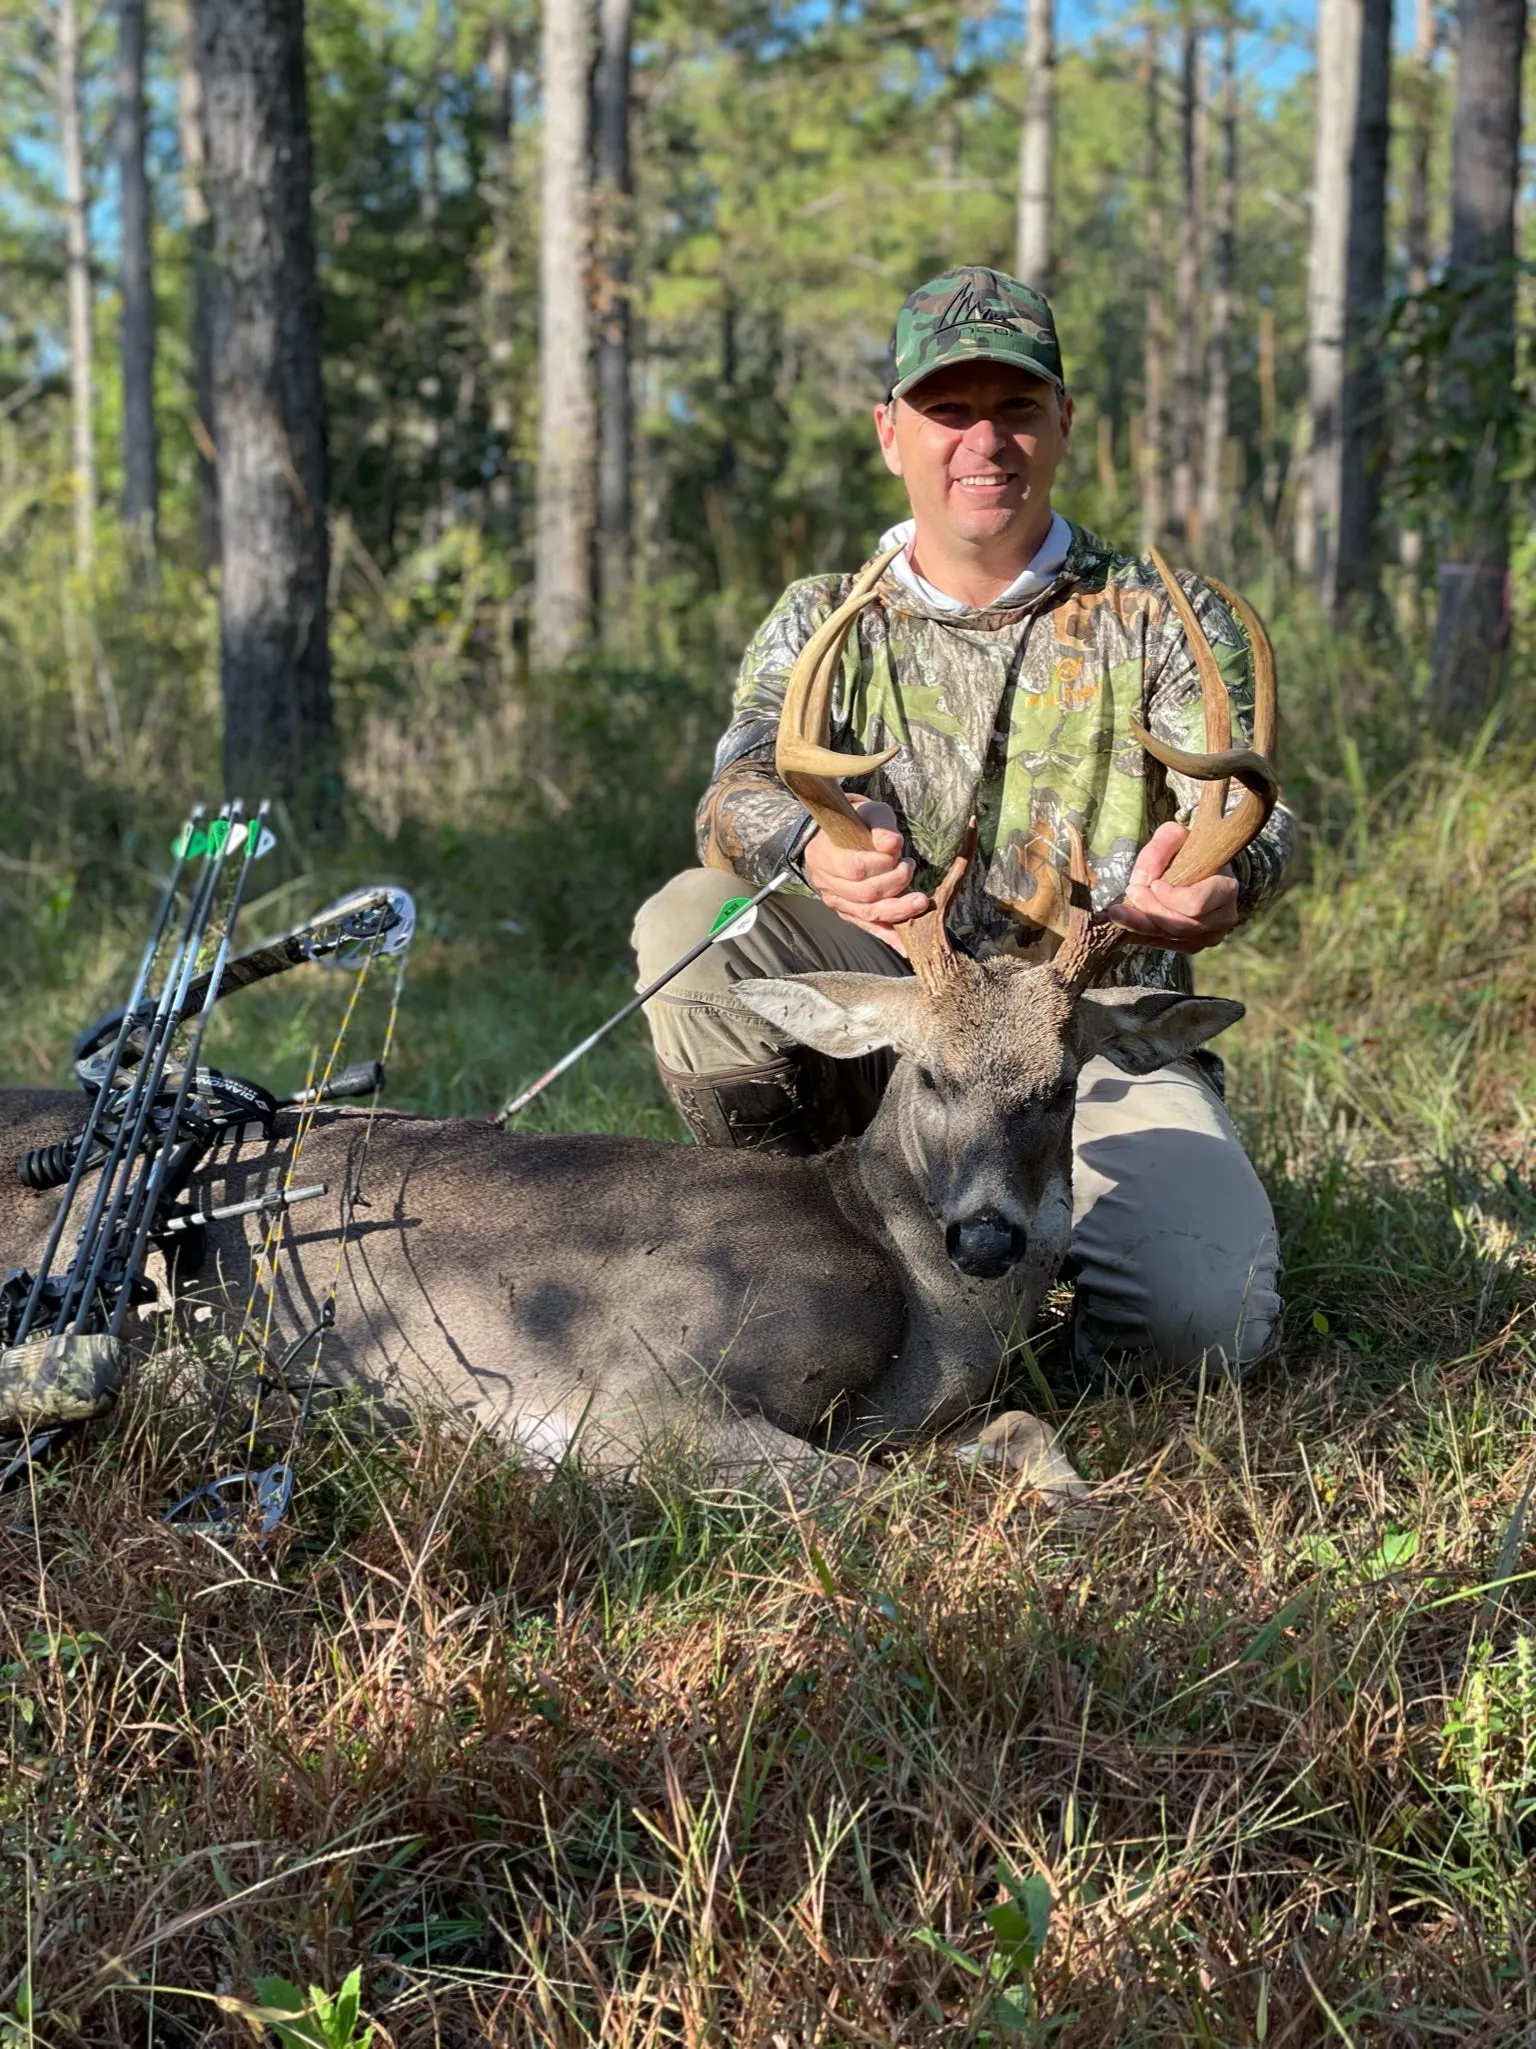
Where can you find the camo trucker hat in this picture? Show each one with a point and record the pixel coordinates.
(971, 315)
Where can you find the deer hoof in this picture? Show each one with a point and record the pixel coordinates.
(1020, 1444)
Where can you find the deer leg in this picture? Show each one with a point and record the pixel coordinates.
(1020, 1444)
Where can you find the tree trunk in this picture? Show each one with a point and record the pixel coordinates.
(562, 621)
(1269, 471)
(194, 208)
(141, 469)
(1473, 619)
(431, 197)
(1186, 372)
(78, 257)
(950, 147)
(269, 420)
(615, 230)
(1036, 146)
(498, 272)
(1421, 110)
(1421, 139)
(1155, 331)
(1215, 499)
(1346, 282)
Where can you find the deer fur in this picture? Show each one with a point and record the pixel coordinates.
(597, 1295)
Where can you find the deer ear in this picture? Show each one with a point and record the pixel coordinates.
(1141, 1029)
(842, 1015)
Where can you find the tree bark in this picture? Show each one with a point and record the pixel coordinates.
(1155, 329)
(498, 271)
(78, 260)
(1186, 374)
(1472, 626)
(614, 212)
(562, 621)
(1420, 96)
(1421, 139)
(1346, 281)
(1215, 499)
(1037, 146)
(194, 209)
(269, 420)
(141, 466)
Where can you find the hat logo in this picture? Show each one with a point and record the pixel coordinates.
(968, 308)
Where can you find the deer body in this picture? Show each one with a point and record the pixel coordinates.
(613, 1291)
(609, 1291)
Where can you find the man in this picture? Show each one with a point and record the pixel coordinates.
(1007, 651)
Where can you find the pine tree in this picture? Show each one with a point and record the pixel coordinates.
(1480, 371)
(269, 420)
(562, 618)
(1036, 146)
(1347, 279)
(141, 466)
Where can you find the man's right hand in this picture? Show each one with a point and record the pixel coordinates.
(870, 890)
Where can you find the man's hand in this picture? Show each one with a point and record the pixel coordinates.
(872, 891)
(1187, 919)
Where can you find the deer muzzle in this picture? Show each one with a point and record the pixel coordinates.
(986, 1246)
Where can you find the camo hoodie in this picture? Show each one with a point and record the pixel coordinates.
(1017, 715)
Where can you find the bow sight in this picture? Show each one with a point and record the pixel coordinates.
(155, 1111)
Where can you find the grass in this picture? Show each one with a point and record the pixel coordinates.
(1242, 1751)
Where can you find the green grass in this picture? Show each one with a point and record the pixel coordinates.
(1241, 1751)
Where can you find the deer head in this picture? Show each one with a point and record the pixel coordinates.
(981, 1102)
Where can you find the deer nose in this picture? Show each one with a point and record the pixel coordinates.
(986, 1245)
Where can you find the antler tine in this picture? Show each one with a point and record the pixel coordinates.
(1088, 940)
(808, 767)
(1213, 691)
(1217, 834)
(805, 763)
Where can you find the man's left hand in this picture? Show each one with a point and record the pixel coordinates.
(1186, 919)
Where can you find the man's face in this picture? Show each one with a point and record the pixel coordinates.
(977, 446)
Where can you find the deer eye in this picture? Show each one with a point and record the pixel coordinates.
(925, 1079)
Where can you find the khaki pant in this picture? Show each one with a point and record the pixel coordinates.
(1173, 1241)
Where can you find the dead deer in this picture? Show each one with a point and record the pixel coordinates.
(594, 1294)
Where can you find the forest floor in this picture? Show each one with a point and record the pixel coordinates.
(1242, 1749)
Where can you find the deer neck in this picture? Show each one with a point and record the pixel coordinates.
(890, 1174)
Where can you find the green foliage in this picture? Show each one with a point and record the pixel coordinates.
(316, 2019)
(1449, 349)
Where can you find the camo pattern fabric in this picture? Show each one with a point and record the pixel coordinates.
(1019, 716)
(58, 1380)
(972, 314)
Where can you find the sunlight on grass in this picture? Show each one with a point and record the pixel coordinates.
(1242, 1750)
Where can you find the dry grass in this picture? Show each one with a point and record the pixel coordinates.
(561, 1765)
(1242, 1752)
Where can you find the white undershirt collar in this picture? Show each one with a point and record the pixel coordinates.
(1044, 566)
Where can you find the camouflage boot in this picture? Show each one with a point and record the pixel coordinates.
(797, 1106)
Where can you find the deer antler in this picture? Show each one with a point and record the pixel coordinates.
(810, 768)
(1217, 834)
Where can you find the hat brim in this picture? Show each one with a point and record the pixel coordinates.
(988, 347)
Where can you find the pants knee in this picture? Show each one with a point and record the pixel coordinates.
(1188, 1306)
(678, 916)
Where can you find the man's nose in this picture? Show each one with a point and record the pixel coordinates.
(983, 437)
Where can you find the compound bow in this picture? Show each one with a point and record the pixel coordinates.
(154, 1113)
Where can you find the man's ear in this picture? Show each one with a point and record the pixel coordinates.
(885, 428)
(843, 1015)
(1141, 1029)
